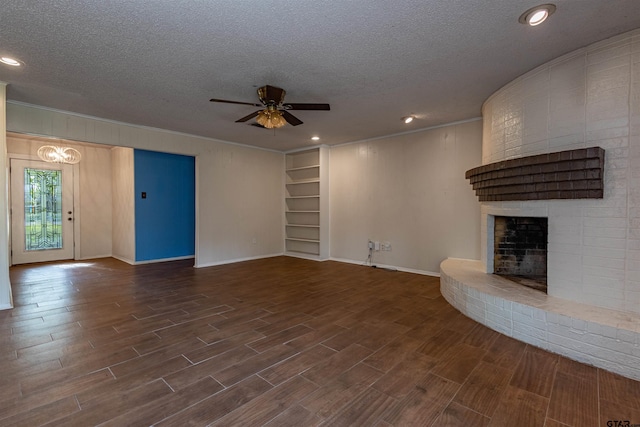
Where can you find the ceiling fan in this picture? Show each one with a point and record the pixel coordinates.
(276, 113)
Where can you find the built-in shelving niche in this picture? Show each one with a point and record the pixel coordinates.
(306, 203)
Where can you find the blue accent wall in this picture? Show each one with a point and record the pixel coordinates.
(166, 218)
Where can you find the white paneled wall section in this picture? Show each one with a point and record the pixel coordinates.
(123, 207)
(408, 190)
(239, 189)
(5, 285)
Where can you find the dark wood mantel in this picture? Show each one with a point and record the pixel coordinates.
(572, 174)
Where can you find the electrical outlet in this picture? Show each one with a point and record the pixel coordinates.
(370, 244)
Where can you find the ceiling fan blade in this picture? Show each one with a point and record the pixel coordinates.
(249, 117)
(322, 107)
(235, 102)
(291, 119)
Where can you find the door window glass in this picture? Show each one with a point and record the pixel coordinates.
(42, 209)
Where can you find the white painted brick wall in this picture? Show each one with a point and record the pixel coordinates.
(590, 97)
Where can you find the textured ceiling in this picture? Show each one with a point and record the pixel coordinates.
(157, 63)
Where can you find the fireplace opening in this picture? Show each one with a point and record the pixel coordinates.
(520, 250)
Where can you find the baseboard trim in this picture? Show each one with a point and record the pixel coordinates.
(303, 256)
(119, 258)
(388, 267)
(153, 261)
(231, 261)
(311, 258)
(94, 257)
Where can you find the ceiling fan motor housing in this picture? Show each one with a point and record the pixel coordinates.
(271, 95)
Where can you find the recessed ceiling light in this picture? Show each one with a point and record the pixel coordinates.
(10, 61)
(408, 119)
(537, 15)
(315, 138)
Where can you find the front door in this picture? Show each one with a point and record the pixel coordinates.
(41, 211)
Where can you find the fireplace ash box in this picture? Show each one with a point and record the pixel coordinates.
(520, 249)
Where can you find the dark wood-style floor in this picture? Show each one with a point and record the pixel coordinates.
(278, 342)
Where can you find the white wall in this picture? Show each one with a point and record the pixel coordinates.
(123, 206)
(5, 285)
(94, 198)
(239, 190)
(244, 192)
(590, 97)
(409, 190)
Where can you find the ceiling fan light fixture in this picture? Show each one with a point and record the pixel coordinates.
(537, 15)
(271, 119)
(54, 154)
(408, 119)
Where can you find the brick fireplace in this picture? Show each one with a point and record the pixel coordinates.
(516, 245)
(544, 138)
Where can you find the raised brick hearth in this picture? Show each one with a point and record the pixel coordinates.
(600, 337)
